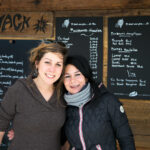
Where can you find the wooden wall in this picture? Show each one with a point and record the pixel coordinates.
(65, 5)
(138, 111)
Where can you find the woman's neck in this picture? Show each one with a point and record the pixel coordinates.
(42, 86)
(45, 89)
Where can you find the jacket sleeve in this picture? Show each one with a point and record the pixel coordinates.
(7, 108)
(120, 124)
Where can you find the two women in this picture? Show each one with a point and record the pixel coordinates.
(95, 118)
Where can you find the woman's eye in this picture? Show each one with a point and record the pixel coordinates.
(47, 62)
(66, 76)
(59, 65)
(78, 74)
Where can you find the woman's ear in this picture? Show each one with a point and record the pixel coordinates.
(36, 64)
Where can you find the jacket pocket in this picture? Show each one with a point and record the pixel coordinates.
(98, 147)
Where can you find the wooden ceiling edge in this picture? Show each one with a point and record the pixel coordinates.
(111, 12)
(71, 10)
(93, 12)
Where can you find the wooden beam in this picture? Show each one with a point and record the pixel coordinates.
(56, 5)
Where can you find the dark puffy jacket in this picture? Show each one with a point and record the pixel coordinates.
(97, 124)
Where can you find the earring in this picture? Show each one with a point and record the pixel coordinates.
(35, 73)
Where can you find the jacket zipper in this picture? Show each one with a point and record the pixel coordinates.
(98, 147)
(80, 127)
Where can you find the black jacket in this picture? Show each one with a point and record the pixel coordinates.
(97, 124)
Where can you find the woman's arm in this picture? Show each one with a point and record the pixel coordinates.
(120, 124)
(8, 107)
(1, 136)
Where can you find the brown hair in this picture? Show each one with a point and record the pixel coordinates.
(44, 47)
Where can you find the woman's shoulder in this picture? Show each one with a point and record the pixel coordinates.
(17, 85)
(13, 90)
(101, 90)
(105, 95)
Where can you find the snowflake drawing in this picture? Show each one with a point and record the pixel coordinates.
(41, 25)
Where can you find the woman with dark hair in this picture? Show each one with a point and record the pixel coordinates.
(95, 117)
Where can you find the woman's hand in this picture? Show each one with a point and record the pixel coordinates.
(1, 136)
(66, 146)
(11, 134)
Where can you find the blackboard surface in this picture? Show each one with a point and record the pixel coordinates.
(129, 57)
(14, 61)
(13, 65)
(83, 36)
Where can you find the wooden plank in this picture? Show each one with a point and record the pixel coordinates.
(138, 112)
(142, 148)
(26, 24)
(55, 5)
(142, 141)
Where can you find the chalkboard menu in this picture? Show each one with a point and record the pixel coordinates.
(13, 65)
(129, 57)
(13, 61)
(83, 36)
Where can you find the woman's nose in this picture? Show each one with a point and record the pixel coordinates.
(52, 68)
(72, 79)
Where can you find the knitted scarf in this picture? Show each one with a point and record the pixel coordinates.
(79, 98)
